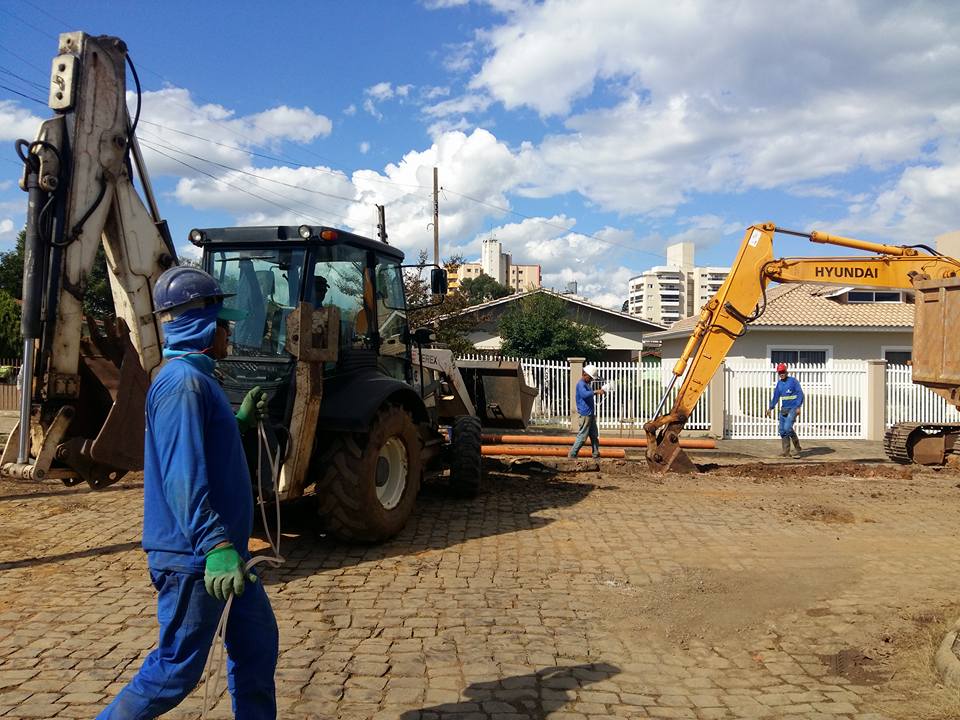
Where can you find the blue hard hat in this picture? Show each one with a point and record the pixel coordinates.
(182, 288)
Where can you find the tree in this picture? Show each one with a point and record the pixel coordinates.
(483, 288)
(451, 330)
(537, 326)
(11, 346)
(97, 299)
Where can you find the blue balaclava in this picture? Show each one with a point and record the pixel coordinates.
(191, 332)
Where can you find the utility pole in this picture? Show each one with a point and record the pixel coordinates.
(382, 224)
(436, 219)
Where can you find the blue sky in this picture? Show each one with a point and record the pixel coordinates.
(586, 136)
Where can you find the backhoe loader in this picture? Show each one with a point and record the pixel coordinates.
(742, 298)
(362, 406)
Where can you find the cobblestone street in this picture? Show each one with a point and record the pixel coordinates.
(737, 593)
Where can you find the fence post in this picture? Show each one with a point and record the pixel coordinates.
(875, 407)
(717, 403)
(576, 370)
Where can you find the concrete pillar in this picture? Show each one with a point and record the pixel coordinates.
(717, 409)
(875, 400)
(576, 371)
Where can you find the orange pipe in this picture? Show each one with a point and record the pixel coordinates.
(693, 443)
(539, 451)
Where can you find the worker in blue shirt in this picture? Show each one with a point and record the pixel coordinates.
(586, 409)
(790, 395)
(198, 515)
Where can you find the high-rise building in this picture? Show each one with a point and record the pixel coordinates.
(498, 265)
(667, 293)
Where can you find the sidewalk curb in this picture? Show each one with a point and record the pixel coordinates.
(946, 660)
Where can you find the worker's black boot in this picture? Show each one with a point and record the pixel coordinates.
(796, 445)
(785, 445)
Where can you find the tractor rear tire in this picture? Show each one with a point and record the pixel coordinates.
(368, 482)
(466, 462)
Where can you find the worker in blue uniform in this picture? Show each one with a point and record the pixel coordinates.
(586, 409)
(790, 395)
(198, 515)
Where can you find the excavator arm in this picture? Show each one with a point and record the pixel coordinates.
(84, 380)
(741, 300)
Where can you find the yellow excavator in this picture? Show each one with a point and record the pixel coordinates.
(742, 299)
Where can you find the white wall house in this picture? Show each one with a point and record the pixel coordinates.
(809, 323)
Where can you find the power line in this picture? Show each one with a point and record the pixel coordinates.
(32, 27)
(28, 97)
(273, 157)
(24, 60)
(26, 81)
(213, 177)
(156, 140)
(547, 223)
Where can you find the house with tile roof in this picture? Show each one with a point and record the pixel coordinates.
(622, 333)
(810, 323)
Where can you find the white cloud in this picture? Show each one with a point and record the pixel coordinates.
(7, 229)
(364, 147)
(459, 105)
(380, 91)
(443, 4)
(432, 93)
(171, 121)
(17, 122)
(862, 86)
(477, 165)
(350, 110)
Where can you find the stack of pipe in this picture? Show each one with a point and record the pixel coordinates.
(549, 445)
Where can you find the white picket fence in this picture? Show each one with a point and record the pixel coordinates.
(907, 402)
(638, 389)
(834, 404)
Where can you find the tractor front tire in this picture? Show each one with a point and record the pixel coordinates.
(466, 462)
(368, 482)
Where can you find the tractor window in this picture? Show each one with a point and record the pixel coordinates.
(392, 317)
(338, 278)
(266, 288)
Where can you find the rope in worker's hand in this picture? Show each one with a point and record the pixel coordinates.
(211, 671)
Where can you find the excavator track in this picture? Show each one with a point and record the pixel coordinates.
(896, 442)
(899, 440)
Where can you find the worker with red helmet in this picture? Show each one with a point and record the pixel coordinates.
(790, 395)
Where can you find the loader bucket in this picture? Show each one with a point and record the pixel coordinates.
(499, 392)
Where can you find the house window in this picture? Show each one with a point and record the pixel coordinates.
(867, 296)
(793, 357)
(898, 357)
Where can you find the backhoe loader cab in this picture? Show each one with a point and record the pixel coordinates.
(363, 409)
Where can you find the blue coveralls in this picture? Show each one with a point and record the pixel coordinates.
(588, 420)
(197, 494)
(790, 395)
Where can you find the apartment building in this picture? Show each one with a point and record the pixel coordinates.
(498, 265)
(667, 293)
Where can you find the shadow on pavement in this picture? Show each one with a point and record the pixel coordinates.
(534, 696)
(509, 502)
(47, 488)
(64, 557)
(812, 451)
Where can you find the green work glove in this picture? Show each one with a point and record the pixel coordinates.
(224, 573)
(252, 409)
